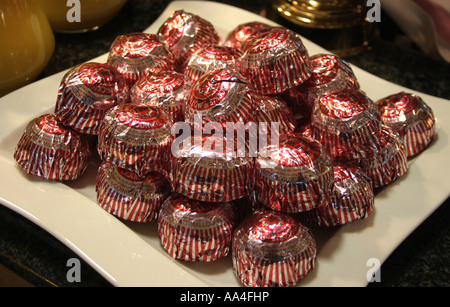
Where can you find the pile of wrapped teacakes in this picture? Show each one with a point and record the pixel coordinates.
(232, 146)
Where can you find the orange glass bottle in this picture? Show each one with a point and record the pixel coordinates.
(26, 43)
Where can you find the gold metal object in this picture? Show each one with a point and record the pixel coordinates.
(340, 26)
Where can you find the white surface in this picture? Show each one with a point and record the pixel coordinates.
(421, 25)
(129, 254)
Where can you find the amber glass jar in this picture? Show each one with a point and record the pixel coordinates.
(26, 43)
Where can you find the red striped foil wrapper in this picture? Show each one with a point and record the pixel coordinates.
(272, 109)
(272, 249)
(347, 123)
(136, 137)
(411, 118)
(209, 58)
(352, 199)
(206, 171)
(167, 89)
(221, 96)
(294, 99)
(243, 33)
(329, 73)
(131, 197)
(184, 33)
(294, 176)
(135, 54)
(390, 163)
(275, 61)
(86, 93)
(305, 129)
(52, 151)
(190, 230)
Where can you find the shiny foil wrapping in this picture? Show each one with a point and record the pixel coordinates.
(243, 33)
(275, 61)
(135, 54)
(86, 93)
(221, 96)
(209, 58)
(305, 130)
(390, 163)
(295, 176)
(191, 230)
(167, 89)
(272, 249)
(136, 137)
(272, 109)
(209, 169)
(329, 73)
(347, 123)
(409, 116)
(129, 196)
(52, 151)
(184, 33)
(352, 198)
(231, 147)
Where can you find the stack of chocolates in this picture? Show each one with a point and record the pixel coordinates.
(329, 73)
(209, 58)
(243, 33)
(272, 249)
(192, 230)
(275, 60)
(56, 146)
(163, 88)
(185, 33)
(51, 150)
(293, 176)
(410, 117)
(134, 55)
(234, 147)
(220, 97)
